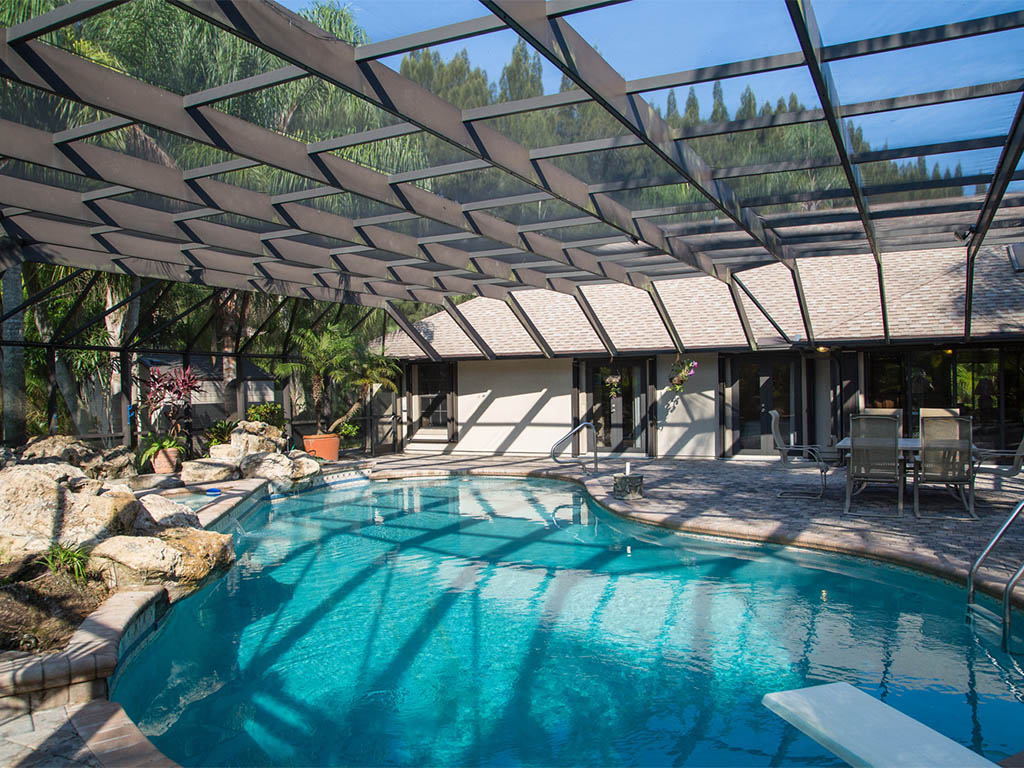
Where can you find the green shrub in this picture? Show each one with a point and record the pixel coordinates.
(349, 429)
(268, 413)
(219, 432)
(156, 443)
(61, 557)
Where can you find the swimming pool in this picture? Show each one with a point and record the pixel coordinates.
(485, 621)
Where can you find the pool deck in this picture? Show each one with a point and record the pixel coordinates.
(735, 498)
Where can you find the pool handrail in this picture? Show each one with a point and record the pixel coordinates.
(1010, 583)
(567, 436)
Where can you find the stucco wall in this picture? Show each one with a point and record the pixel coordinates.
(513, 406)
(688, 422)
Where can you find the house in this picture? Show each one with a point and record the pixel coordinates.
(606, 355)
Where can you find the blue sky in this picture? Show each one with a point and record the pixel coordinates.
(642, 38)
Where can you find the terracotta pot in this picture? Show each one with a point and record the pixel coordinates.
(165, 461)
(322, 446)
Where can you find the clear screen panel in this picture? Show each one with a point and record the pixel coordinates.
(962, 120)
(843, 21)
(736, 98)
(145, 40)
(395, 18)
(807, 141)
(495, 67)
(667, 36)
(952, 64)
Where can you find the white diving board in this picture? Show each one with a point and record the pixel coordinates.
(864, 731)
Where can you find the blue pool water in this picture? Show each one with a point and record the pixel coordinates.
(501, 622)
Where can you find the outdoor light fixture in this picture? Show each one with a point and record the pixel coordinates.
(823, 350)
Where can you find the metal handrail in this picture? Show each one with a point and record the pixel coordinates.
(566, 437)
(1010, 584)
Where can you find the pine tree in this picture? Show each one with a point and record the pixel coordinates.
(719, 112)
(748, 105)
(672, 109)
(521, 77)
(692, 114)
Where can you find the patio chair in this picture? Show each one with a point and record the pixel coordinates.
(947, 456)
(812, 459)
(874, 458)
(1006, 470)
(897, 412)
(928, 413)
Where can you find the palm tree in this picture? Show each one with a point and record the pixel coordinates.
(367, 370)
(323, 356)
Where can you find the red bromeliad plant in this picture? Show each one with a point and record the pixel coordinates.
(170, 394)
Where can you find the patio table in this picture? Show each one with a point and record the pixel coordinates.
(905, 444)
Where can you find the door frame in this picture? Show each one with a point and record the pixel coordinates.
(642, 392)
(730, 383)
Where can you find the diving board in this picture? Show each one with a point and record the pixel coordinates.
(864, 731)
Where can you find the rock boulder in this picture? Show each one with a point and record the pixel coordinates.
(39, 506)
(208, 471)
(257, 437)
(283, 472)
(159, 512)
(116, 462)
(182, 559)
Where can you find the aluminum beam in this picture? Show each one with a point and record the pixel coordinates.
(801, 13)
(180, 316)
(666, 318)
(595, 322)
(762, 310)
(62, 16)
(73, 77)
(528, 325)
(1001, 178)
(741, 312)
(467, 328)
(411, 331)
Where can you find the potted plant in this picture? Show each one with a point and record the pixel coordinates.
(163, 451)
(170, 395)
(333, 356)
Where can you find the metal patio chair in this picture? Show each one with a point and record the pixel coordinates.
(897, 412)
(1005, 470)
(947, 457)
(929, 413)
(812, 459)
(874, 458)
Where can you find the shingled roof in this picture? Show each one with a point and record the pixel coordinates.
(925, 300)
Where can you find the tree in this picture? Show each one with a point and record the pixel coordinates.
(672, 116)
(323, 356)
(748, 105)
(719, 112)
(692, 114)
(521, 77)
(365, 371)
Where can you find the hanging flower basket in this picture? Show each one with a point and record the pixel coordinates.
(612, 381)
(682, 369)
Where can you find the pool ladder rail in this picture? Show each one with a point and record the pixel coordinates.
(973, 609)
(565, 438)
